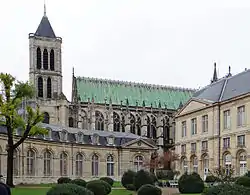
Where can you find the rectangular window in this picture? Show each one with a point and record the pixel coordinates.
(193, 147)
(241, 116)
(241, 140)
(204, 145)
(205, 123)
(184, 129)
(227, 118)
(226, 142)
(193, 126)
(183, 148)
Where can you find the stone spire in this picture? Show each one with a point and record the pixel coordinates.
(215, 77)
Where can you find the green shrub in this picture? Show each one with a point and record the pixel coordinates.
(148, 189)
(227, 189)
(128, 178)
(243, 181)
(68, 189)
(6, 187)
(99, 187)
(190, 183)
(153, 177)
(247, 174)
(142, 177)
(130, 187)
(63, 180)
(109, 180)
(3, 190)
(79, 182)
(211, 178)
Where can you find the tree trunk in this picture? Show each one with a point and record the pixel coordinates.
(9, 181)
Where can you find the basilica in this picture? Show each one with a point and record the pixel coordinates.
(107, 127)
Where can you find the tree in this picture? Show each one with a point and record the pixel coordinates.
(12, 94)
(223, 174)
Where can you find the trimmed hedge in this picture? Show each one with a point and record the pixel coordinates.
(6, 187)
(128, 179)
(68, 189)
(63, 180)
(3, 190)
(243, 181)
(109, 180)
(227, 189)
(99, 187)
(142, 177)
(79, 182)
(190, 183)
(148, 189)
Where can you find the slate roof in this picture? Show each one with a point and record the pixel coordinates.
(226, 88)
(135, 93)
(45, 29)
(120, 138)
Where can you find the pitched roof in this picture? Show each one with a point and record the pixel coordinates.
(45, 29)
(135, 93)
(226, 88)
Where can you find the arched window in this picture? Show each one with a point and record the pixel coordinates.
(138, 125)
(45, 59)
(49, 87)
(153, 128)
(85, 122)
(242, 163)
(30, 159)
(123, 124)
(148, 127)
(52, 59)
(46, 117)
(38, 58)
(95, 165)
(166, 129)
(116, 122)
(99, 121)
(184, 164)
(228, 163)
(15, 163)
(71, 122)
(40, 86)
(132, 123)
(110, 165)
(63, 164)
(79, 165)
(138, 163)
(194, 161)
(47, 162)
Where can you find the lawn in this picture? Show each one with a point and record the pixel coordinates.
(42, 191)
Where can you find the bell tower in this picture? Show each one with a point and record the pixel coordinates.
(45, 71)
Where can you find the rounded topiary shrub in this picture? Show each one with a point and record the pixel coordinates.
(6, 187)
(3, 190)
(243, 181)
(142, 177)
(226, 189)
(190, 183)
(63, 180)
(128, 178)
(79, 182)
(130, 187)
(109, 180)
(68, 189)
(148, 189)
(99, 187)
(153, 177)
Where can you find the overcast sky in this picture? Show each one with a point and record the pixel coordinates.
(168, 42)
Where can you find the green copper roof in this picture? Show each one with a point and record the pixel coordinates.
(100, 89)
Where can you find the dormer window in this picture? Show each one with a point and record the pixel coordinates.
(64, 135)
(95, 139)
(79, 137)
(49, 134)
(110, 140)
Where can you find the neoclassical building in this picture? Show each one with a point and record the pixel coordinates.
(212, 128)
(106, 128)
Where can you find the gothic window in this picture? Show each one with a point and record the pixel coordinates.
(99, 121)
(40, 86)
(49, 87)
(30, 159)
(110, 165)
(52, 59)
(46, 117)
(63, 164)
(123, 124)
(71, 122)
(116, 122)
(148, 127)
(38, 58)
(85, 122)
(95, 165)
(132, 123)
(45, 59)
(79, 165)
(138, 125)
(15, 163)
(138, 163)
(166, 127)
(153, 128)
(47, 162)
